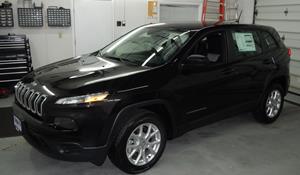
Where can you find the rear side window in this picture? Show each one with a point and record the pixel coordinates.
(269, 41)
(244, 44)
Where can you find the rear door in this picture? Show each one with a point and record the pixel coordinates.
(284, 16)
(246, 58)
(272, 49)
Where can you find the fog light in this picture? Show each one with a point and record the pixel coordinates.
(61, 151)
(65, 123)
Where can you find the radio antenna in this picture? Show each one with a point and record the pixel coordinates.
(239, 18)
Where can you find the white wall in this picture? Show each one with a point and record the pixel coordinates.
(179, 13)
(132, 12)
(195, 3)
(93, 25)
(47, 44)
(191, 2)
(183, 10)
(248, 11)
(246, 5)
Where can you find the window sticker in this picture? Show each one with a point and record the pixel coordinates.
(245, 42)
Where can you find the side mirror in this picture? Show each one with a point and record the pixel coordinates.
(193, 62)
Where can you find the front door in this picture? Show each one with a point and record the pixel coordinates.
(204, 76)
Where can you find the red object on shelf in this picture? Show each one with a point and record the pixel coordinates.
(221, 12)
(204, 9)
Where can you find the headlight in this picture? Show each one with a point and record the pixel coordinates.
(91, 98)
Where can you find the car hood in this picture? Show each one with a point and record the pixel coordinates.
(81, 72)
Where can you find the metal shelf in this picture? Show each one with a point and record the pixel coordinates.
(30, 17)
(15, 59)
(59, 17)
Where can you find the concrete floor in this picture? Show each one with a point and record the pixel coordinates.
(6, 102)
(236, 146)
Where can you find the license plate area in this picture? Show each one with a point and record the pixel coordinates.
(18, 124)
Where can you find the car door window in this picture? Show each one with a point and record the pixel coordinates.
(211, 47)
(244, 44)
(269, 41)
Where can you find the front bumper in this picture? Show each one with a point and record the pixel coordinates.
(57, 144)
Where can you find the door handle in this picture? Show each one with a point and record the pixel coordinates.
(269, 61)
(228, 71)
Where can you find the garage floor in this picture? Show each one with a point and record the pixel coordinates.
(236, 146)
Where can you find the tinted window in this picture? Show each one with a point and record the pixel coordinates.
(270, 42)
(211, 47)
(244, 44)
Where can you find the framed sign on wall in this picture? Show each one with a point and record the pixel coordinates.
(152, 8)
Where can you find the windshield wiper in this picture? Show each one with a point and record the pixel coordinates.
(111, 57)
(123, 60)
(100, 53)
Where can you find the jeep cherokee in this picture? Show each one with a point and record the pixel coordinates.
(155, 83)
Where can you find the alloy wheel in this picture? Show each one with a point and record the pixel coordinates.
(143, 144)
(273, 103)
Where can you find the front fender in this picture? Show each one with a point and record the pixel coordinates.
(130, 109)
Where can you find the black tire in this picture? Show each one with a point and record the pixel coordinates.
(117, 153)
(261, 113)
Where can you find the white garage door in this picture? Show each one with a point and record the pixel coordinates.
(284, 15)
(179, 13)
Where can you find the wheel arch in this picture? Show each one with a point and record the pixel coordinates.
(158, 106)
(281, 80)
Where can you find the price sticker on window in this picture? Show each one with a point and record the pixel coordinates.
(245, 42)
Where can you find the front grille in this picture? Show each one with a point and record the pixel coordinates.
(30, 99)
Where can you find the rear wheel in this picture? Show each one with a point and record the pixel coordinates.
(140, 143)
(271, 106)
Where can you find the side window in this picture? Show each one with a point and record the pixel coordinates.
(269, 41)
(211, 48)
(244, 44)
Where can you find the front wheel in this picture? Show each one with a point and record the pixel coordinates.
(140, 143)
(271, 106)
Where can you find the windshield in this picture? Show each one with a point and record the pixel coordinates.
(147, 46)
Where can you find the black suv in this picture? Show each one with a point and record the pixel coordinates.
(152, 84)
